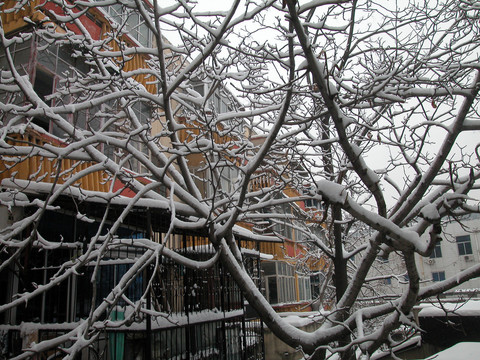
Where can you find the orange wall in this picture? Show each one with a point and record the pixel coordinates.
(37, 168)
(95, 23)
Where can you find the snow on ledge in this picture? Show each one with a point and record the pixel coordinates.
(463, 350)
(158, 322)
(256, 253)
(467, 308)
(415, 341)
(31, 187)
(303, 318)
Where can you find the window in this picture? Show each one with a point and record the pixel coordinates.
(54, 63)
(220, 102)
(228, 175)
(20, 52)
(282, 227)
(281, 287)
(43, 86)
(199, 88)
(268, 268)
(284, 230)
(227, 178)
(464, 245)
(299, 234)
(272, 290)
(133, 23)
(313, 203)
(438, 276)
(109, 276)
(437, 252)
(304, 288)
(143, 113)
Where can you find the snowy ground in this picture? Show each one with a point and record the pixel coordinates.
(463, 350)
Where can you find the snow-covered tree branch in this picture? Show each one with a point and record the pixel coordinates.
(224, 123)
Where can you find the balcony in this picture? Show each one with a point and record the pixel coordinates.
(40, 169)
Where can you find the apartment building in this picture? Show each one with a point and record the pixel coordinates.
(458, 250)
(197, 314)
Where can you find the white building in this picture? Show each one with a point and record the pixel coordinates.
(458, 250)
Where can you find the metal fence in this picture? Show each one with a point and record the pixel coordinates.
(204, 312)
(231, 339)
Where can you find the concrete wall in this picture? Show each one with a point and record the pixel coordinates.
(451, 262)
(276, 349)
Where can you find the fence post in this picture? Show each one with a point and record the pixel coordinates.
(148, 355)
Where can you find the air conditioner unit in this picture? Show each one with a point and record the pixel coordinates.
(431, 261)
(468, 257)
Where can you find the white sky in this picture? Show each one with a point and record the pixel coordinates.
(204, 4)
(377, 159)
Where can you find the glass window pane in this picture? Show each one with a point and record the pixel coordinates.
(464, 245)
(272, 290)
(468, 248)
(268, 268)
(438, 276)
(437, 251)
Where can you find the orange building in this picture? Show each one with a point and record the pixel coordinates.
(201, 309)
(45, 68)
(292, 270)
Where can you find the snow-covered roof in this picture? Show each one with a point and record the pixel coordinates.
(304, 318)
(253, 252)
(415, 341)
(467, 308)
(463, 350)
(30, 187)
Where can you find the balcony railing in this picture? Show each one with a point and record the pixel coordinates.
(14, 19)
(38, 168)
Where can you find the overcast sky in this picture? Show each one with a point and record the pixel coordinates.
(377, 159)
